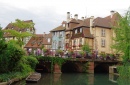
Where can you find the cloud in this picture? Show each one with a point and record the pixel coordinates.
(44, 21)
(49, 14)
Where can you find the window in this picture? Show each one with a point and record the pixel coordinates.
(103, 42)
(54, 33)
(60, 43)
(74, 43)
(49, 40)
(102, 32)
(63, 25)
(75, 31)
(60, 34)
(80, 41)
(80, 30)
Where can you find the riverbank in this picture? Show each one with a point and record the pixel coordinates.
(8, 78)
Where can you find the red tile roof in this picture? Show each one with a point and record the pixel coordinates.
(38, 40)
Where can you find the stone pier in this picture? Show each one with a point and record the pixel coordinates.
(91, 67)
(57, 69)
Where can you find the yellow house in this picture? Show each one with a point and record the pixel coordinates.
(97, 32)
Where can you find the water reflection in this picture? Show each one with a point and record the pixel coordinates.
(72, 79)
(113, 78)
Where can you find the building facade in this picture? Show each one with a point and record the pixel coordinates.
(58, 37)
(96, 32)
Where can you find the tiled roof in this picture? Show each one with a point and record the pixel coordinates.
(85, 23)
(87, 34)
(102, 22)
(38, 40)
(74, 21)
(59, 28)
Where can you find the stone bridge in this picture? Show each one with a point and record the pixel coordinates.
(78, 65)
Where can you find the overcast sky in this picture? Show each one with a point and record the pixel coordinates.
(48, 14)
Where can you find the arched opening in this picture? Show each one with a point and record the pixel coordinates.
(101, 68)
(41, 69)
(69, 67)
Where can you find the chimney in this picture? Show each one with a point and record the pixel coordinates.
(76, 16)
(112, 13)
(82, 18)
(91, 24)
(68, 17)
(44, 33)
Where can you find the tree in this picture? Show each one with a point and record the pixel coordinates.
(18, 34)
(2, 41)
(122, 39)
(122, 43)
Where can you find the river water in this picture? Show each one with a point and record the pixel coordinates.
(74, 79)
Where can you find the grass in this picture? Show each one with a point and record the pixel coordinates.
(11, 75)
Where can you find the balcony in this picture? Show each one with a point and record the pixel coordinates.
(77, 35)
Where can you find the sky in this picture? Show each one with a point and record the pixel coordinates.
(49, 14)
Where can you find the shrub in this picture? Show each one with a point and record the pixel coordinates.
(26, 64)
(11, 54)
(32, 61)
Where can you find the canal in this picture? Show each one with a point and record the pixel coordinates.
(73, 79)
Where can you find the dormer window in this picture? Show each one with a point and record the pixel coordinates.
(49, 40)
(75, 31)
(80, 30)
(63, 25)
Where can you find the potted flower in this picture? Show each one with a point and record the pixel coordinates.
(82, 53)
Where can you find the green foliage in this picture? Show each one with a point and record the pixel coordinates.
(70, 52)
(26, 64)
(32, 61)
(59, 52)
(86, 48)
(122, 45)
(55, 60)
(7, 76)
(124, 71)
(22, 26)
(10, 55)
(122, 39)
(44, 50)
(103, 55)
(82, 53)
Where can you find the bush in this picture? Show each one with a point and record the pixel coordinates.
(32, 61)
(11, 54)
(26, 64)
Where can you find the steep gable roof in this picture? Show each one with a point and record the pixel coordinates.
(38, 40)
(101, 22)
(59, 28)
(85, 23)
